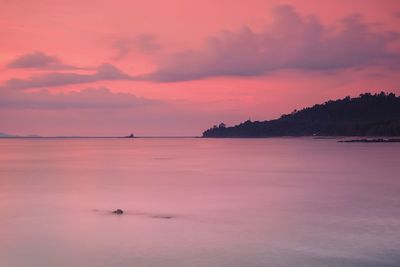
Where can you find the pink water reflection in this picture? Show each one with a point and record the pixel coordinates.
(197, 202)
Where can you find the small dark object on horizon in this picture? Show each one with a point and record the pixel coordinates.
(162, 216)
(379, 140)
(118, 212)
(130, 136)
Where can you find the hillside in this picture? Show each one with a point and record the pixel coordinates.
(365, 115)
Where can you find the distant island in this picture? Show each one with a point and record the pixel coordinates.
(365, 115)
(378, 140)
(5, 135)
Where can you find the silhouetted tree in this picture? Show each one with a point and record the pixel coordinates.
(368, 114)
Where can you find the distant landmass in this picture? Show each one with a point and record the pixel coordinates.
(379, 140)
(5, 135)
(365, 115)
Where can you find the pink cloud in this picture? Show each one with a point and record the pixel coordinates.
(99, 111)
(90, 98)
(143, 43)
(38, 60)
(292, 41)
(54, 79)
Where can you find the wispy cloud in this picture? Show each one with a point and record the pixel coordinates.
(90, 98)
(144, 43)
(38, 60)
(53, 79)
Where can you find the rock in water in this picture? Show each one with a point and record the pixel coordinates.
(118, 211)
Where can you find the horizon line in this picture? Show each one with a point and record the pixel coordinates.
(109, 137)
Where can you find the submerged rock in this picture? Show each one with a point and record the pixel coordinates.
(118, 212)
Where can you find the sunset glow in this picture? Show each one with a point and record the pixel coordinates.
(109, 68)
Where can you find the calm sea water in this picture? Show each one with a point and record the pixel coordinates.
(199, 202)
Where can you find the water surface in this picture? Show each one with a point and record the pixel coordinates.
(199, 202)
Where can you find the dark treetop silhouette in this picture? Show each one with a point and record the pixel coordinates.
(366, 115)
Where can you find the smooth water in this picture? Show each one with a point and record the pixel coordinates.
(199, 202)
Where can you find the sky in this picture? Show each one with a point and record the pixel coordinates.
(176, 68)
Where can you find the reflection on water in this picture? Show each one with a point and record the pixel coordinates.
(196, 202)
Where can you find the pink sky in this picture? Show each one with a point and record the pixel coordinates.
(178, 67)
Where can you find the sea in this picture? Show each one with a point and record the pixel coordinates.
(196, 202)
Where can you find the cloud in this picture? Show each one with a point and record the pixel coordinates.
(38, 60)
(292, 41)
(104, 72)
(101, 112)
(90, 98)
(144, 43)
